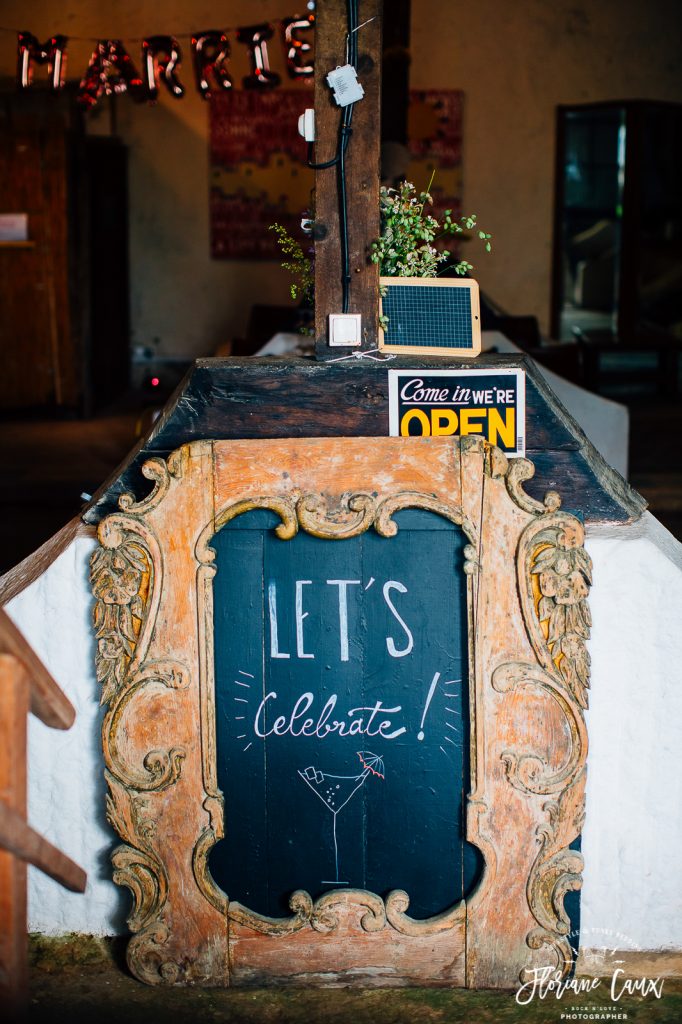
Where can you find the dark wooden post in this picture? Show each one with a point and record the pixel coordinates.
(362, 181)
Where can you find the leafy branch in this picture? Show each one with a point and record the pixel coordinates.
(407, 246)
(298, 264)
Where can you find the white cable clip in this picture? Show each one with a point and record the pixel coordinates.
(344, 83)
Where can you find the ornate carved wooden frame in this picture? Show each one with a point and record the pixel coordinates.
(528, 578)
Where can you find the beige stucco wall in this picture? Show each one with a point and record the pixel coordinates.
(515, 62)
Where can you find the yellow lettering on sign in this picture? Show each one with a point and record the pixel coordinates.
(415, 414)
(496, 426)
(443, 422)
(465, 426)
(504, 429)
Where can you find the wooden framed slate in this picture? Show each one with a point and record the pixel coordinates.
(430, 316)
(281, 618)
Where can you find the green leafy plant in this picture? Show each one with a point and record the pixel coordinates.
(408, 246)
(298, 264)
(409, 233)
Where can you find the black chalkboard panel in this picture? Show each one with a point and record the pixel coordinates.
(430, 315)
(342, 713)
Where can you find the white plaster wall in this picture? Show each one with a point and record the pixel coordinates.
(633, 829)
(66, 784)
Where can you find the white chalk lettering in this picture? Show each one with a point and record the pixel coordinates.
(272, 607)
(300, 616)
(261, 708)
(343, 612)
(390, 643)
(372, 720)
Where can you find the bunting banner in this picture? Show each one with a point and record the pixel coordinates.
(113, 71)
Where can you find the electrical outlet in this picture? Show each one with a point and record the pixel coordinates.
(345, 330)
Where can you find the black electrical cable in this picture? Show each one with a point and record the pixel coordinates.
(339, 161)
(323, 166)
(343, 219)
(344, 137)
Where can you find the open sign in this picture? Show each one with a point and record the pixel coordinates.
(436, 403)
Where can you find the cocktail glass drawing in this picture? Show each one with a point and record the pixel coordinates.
(336, 791)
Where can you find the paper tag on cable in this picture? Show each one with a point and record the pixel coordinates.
(344, 82)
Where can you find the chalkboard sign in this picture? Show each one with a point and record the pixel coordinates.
(430, 316)
(289, 634)
(342, 713)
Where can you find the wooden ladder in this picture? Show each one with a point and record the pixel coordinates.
(25, 685)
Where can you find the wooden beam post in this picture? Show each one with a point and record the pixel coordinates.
(362, 174)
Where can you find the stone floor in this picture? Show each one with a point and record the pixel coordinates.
(101, 992)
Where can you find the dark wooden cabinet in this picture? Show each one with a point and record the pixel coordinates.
(64, 321)
(617, 267)
(618, 220)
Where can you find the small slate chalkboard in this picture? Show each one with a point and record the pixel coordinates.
(342, 713)
(430, 316)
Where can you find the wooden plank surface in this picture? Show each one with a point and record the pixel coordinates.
(362, 173)
(349, 957)
(266, 398)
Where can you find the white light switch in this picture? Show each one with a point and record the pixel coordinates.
(345, 329)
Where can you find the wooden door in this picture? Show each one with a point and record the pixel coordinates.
(38, 339)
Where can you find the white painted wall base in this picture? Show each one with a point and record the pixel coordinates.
(633, 829)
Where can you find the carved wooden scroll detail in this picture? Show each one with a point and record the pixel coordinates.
(155, 557)
(138, 866)
(554, 576)
(126, 577)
